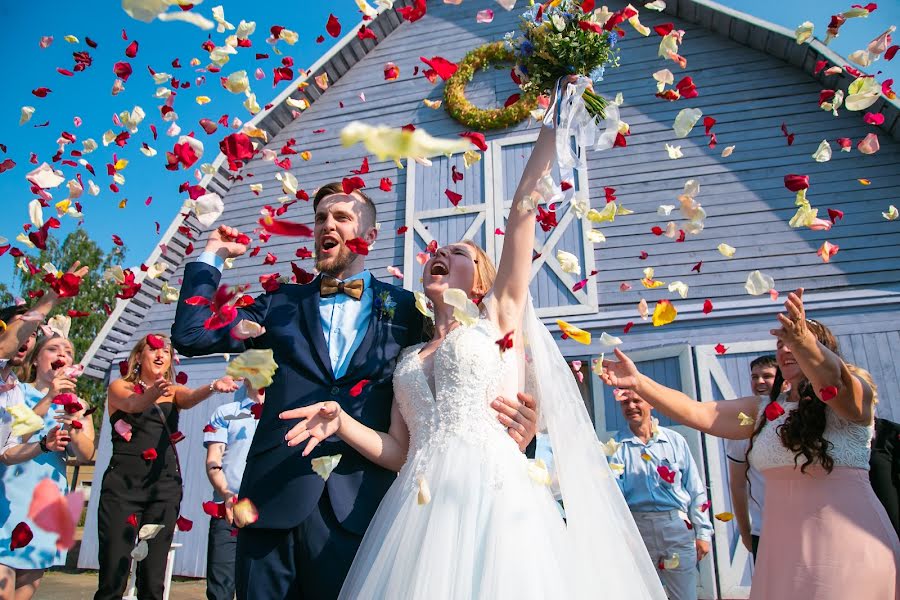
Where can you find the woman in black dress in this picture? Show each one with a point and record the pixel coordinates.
(142, 484)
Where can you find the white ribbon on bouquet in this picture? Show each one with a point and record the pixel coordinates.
(570, 117)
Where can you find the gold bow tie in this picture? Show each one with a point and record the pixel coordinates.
(331, 286)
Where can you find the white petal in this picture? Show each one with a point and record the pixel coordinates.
(759, 283)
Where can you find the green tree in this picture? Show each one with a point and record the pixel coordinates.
(6, 297)
(94, 293)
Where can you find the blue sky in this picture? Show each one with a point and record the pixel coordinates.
(87, 94)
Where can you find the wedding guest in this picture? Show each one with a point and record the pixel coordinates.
(142, 484)
(227, 438)
(45, 370)
(662, 486)
(745, 482)
(12, 449)
(825, 535)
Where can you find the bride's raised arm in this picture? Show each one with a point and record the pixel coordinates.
(514, 271)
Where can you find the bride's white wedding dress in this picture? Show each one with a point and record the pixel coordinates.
(470, 517)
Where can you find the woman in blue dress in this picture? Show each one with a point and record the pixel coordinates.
(17, 482)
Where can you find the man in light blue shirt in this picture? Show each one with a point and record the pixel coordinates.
(227, 438)
(663, 489)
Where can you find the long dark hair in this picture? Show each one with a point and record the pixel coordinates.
(803, 431)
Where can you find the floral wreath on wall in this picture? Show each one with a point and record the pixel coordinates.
(481, 119)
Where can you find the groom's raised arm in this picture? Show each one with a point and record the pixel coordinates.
(190, 336)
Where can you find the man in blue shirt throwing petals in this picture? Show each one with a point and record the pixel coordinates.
(662, 486)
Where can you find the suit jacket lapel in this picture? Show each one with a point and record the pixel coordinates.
(309, 309)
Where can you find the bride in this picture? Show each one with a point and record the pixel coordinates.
(469, 517)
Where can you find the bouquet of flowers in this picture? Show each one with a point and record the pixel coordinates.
(560, 38)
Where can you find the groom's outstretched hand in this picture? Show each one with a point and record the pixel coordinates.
(519, 415)
(227, 242)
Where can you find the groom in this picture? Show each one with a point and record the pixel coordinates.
(336, 338)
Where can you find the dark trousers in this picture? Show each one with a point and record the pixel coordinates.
(307, 562)
(754, 542)
(220, 551)
(125, 491)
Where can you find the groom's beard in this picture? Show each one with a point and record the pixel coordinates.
(335, 265)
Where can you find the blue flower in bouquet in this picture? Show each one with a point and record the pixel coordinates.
(531, 13)
(613, 38)
(509, 39)
(526, 49)
(597, 74)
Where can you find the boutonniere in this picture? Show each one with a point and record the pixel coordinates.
(384, 306)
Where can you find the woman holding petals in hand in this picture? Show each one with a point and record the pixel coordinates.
(826, 536)
(142, 484)
(469, 517)
(51, 377)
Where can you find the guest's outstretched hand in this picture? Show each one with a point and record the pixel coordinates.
(794, 330)
(620, 373)
(320, 421)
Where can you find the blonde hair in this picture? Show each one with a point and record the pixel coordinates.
(865, 376)
(134, 358)
(29, 369)
(485, 272)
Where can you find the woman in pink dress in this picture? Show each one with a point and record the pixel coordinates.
(825, 536)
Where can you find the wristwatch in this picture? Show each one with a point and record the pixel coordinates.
(43, 444)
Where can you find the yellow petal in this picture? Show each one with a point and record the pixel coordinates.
(202, 99)
(725, 516)
(646, 457)
(891, 214)
(168, 294)
(424, 495)
(574, 333)
(652, 284)
(121, 164)
(616, 468)
(71, 39)
(538, 472)
(324, 465)
(726, 250)
(865, 181)
(25, 421)
(433, 104)
(422, 305)
(322, 81)
(395, 143)
(804, 32)
(759, 283)
(464, 310)
(245, 513)
(610, 447)
(595, 236)
(671, 563)
(608, 214)
(664, 313)
(256, 365)
(470, 157)
(745, 419)
(568, 262)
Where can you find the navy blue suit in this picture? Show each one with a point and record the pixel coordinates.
(308, 529)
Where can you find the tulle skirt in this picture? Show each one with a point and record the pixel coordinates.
(824, 537)
(490, 531)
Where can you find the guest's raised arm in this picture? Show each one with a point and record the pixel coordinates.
(721, 419)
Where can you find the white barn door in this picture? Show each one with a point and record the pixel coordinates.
(672, 366)
(723, 377)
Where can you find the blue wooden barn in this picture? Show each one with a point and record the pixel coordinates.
(752, 77)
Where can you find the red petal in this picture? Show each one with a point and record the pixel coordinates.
(155, 342)
(835, 215)
(181, 378)
(721, 349)
(302, 275)
(443, 67)
(664, 29)
(773, 411)
(333, 26)
(132, 520)
(828, 393)
(891, 52)
(351, 184)
(874, 118)
(707, 304)
(21, 536)
(413, 13)
(358, 246)
(41, 92)
(216, 510)
(132, 49)
(453, 197)
(795, 183)
(209, 429)
(511, 100)
(386, 184)
(149, 454)
(819, 66)
(122, 70)
(628, 326)
(184, 524)
(476, 138)
(357, 389)
(290, 228)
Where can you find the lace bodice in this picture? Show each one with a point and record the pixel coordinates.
(850, 442)
(469, 372)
